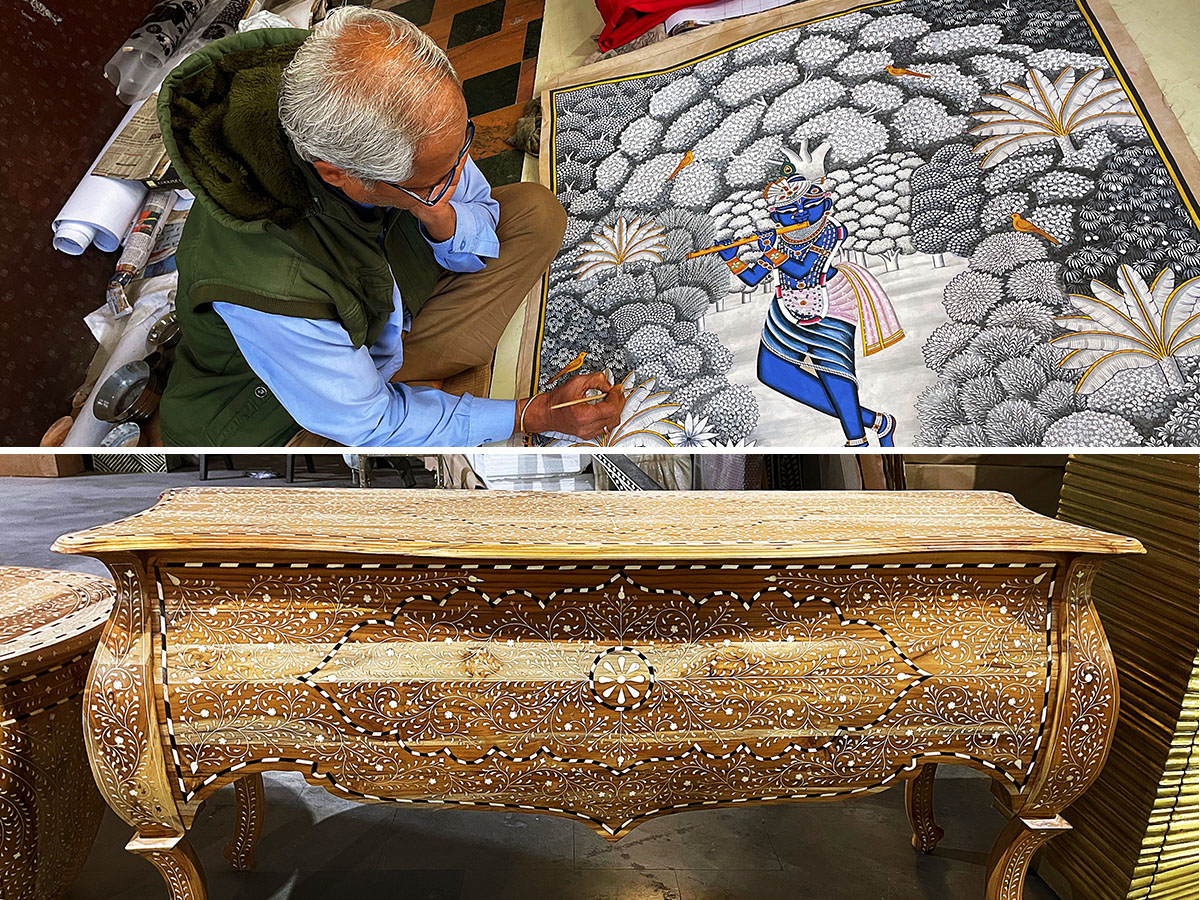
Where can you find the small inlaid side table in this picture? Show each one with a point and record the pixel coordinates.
(608, 657)
(49, 807)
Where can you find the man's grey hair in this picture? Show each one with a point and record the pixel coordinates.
(356, 94)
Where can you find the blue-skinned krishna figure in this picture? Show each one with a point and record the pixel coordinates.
(807, 350)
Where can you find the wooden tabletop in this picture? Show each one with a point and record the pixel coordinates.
(45, 613)
(591, 525)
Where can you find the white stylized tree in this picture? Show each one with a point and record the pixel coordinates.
(1048, 110)
(1135, 326)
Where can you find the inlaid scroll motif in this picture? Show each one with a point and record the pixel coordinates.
(282, 620)
(621, 677)
(753, 683)
(118, 714)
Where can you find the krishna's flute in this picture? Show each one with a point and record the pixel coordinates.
(749, 240)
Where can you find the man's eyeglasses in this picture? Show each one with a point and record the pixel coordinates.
(438, 192)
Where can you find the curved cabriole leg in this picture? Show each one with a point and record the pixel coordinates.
(251, 803)
(918, 799)
(1015, 847)
(1087, 703)
(176, 861)
(122, 730)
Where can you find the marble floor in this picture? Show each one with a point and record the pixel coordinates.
(316, 845)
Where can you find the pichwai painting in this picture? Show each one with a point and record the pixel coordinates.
(911, 223)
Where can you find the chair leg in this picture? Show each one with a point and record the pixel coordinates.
(918, 800)
(289, 468)
(204, 467)
(251, 806)
(308, 462)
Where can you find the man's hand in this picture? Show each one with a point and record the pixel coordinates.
(583, 420)
(439, 220)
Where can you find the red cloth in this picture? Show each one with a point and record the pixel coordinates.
(625, 20)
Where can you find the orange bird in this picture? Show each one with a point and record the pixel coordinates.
(573, 366)
(898, 70)
(687, 160)
(1020, 223)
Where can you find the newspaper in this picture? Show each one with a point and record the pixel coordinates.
(137, 153)
(162, 257)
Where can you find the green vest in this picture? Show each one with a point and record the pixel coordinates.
(266, 233)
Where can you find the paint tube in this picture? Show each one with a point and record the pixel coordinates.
(140, 241)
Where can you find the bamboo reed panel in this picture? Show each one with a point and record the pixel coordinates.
(606, 657)
(1135, 830)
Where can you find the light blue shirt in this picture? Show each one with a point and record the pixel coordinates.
(344, 393)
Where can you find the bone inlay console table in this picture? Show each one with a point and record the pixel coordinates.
(609, 657)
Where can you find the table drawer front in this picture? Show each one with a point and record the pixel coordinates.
(619, 692)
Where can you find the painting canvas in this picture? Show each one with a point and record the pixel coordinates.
(923, 223)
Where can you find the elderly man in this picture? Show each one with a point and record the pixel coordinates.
(342, 242)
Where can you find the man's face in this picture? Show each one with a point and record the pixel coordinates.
(438, 155)
(433, 162)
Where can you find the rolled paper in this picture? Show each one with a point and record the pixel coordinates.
(141, 62)
(99, 210)
(139, 243)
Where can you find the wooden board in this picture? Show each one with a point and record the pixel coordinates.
(756, 526)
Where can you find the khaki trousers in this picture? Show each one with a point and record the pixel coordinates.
(460, 324)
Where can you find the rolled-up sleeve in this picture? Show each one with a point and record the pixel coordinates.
(337, 391)
(476, 215)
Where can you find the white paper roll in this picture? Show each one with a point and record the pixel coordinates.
(99, 210)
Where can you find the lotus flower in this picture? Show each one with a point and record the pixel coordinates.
(1049, 111)
(693, 433)
(613, 245)
(644, 422)
(1135, 326)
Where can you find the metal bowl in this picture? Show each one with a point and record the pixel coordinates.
(130, 393)
(127, 434)
(164, 333)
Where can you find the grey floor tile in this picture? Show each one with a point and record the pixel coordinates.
(707, 839)
(571, 884)
(426, 838)
(751, 884)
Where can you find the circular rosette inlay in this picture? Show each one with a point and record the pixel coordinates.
(621, 678)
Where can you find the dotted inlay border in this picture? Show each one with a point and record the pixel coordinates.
(189, 795)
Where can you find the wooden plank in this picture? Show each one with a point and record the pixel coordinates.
(749, 526)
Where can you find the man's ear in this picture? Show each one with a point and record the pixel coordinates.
(333, 175)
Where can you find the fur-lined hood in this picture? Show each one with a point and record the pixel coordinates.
(219, 115)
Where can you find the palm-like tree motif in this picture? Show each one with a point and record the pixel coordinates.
(613, 245)
(1048, 110)
(1135, 326)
